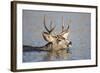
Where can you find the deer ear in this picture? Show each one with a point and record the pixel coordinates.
(45, 35)
(65, 32)
(65, 35)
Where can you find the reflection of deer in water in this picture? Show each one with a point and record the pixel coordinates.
(58, 44)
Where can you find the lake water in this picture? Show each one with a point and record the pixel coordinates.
(39, 56)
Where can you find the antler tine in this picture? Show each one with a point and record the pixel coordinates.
(67, 28)
(68, 25)
(51, 28)
(62, 24)
(45, 25)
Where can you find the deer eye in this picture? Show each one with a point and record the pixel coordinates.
(48, 36)
(59, 40)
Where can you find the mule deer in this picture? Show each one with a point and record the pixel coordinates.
(58, 43)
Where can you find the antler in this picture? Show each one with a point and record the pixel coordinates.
(51, 28)
(64, 30)
(62, 24)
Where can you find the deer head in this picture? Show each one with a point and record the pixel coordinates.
(59, 41)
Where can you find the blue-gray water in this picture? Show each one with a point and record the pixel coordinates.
(80, 33)
(39, 56)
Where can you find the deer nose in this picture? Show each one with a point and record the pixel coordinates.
(70, 43)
